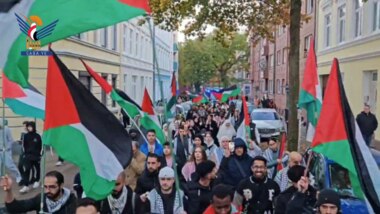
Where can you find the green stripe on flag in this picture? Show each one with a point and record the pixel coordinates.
(24, 109)
(340, 152)
(148, 123)
(312, 105)
(131, 109)
(74, 148)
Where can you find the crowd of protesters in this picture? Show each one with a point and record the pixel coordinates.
(202, 168)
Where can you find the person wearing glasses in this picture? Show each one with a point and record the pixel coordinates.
(257, 192)
(57, 199)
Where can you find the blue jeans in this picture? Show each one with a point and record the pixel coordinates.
(367, 139)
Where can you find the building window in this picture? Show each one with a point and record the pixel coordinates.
(103, 37)
(271, 86)
(131, 33)
(376, 15)
(278, 57)
(114, 37)
(266, 85)
(358, 18)
(137, 42)
(85, 79)
(278, 86)
(114, 82)
(341, 23)
(327, 33)
(309, 6)
(134, 86)
(307, 45)
(125, 34)
(283, 88)
(271, 61)
(284, 56)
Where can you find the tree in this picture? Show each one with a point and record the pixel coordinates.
(201, 59)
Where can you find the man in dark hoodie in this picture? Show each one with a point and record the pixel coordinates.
(367, 123)
(199, 192)
(32, 146)
(149, 179)
(236, 166)
(294, 174)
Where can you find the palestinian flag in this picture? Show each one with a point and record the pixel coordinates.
(310, 97)
(232, 91)
(170, 106)
(338, 137)
(282, 150)
(243, 130)
(218, 96)
(68, 17)
(130, 107)
(27, 102)
(150, 119)
(83, 131)
(200, 99)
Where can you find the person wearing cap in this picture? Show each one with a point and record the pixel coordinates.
(199, 192)
(235, 166)
(165, 199)
(221, 202)
(256, 193)
(272, 155)
(294, 174)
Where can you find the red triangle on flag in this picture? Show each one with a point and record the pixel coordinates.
(11, 89)
(147, 104)
(142, 4)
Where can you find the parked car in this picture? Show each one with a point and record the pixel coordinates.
(326, 173)
(268, 122)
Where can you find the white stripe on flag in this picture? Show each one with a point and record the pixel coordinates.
(241, 132)
(105, 162)
(10, 29)
(310, 133)
(33, 99)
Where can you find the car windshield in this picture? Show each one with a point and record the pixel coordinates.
(264, 116)
(340, 180)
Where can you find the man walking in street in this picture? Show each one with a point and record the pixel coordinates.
(58, 199)
(149, 179)
(367, 123)
(282, 179)
(221, 201)
(273, 159)
(152, 146)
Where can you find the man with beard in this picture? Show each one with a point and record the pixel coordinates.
(182, 148)
(121, 201)
(256, 193)
(57, 200)
(149, 179)
(199, 192)
(165, 199)
(281, 178)
(273, 159)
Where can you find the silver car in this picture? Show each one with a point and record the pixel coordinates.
(268, 122)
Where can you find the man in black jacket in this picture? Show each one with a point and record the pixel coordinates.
(58, 199)
(294, 174)
(367, 123)
(149, 179)
(122, 200)
(199, 192)
(256, 193)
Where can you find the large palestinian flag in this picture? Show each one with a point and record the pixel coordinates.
(74, 16)
(83, 131)
(338, 137)
(310, 95)
(23, 101)
(231, 91)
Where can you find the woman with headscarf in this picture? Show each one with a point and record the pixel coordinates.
(226, 129)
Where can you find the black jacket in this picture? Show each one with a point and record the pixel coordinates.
(299, 204)
(367, 123)
(199, 197)
(33, 204)
(32, 145)
(284, 198)
(129, 206)
(146, 182)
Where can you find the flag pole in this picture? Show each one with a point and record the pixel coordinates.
(4, 144)
(155, 65)
(135, 124)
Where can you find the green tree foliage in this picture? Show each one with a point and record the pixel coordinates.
(202, 59)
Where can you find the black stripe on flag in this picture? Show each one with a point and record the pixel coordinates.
(123, 95)
(97, 118)
(366, 183)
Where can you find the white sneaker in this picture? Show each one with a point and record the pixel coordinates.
(36, 185)
(25, 189)
(59, 163)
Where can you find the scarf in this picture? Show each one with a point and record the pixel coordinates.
(54, 206)
(157, 205)
(284, 181)
(117, 204)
